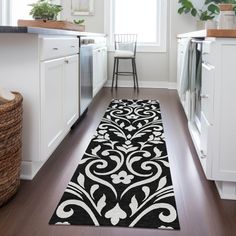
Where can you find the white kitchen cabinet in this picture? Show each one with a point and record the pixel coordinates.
(59, 100)
(44, 69)
(219, 85)
(216, 147)
(59, 95)
(71, 91)
(99, 68)
(52, 78)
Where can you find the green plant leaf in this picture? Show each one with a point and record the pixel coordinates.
(187, 10)
(187, 4)
(181, 10)
(204, 16)
(78, 21)
(194, 12)
(213, 8)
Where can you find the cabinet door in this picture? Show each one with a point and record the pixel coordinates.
(104, 65)
(180, 55)
(207, 95)
(52, 73)
(99, 69)
(71, 91)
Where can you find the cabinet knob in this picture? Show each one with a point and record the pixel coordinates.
(66, 61)
(203, 155)
(204, 96)
(55, 49)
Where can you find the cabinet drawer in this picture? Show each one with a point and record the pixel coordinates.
(207, 92)
(58, 47)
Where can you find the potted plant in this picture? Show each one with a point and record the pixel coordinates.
(45, 10)
(208, 11)
(78, 21)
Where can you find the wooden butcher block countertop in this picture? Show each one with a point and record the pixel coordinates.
(217, 33)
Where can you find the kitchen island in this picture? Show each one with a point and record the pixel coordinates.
(210, 111)
(43, 65)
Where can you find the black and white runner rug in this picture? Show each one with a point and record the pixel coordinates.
(124, 176)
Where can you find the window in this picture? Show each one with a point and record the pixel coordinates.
(12, 10)
(19, 10)
(3, 11)
(147, 18)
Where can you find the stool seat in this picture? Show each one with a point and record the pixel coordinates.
(123, 53)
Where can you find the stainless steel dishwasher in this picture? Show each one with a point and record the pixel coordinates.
(86, 73)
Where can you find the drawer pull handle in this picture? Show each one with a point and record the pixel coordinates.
(66, 61)
(72, 46)
(207, 66)
(204, 96)
(55, 49)
(203, 156)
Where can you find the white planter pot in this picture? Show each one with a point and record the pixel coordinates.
(200, 25)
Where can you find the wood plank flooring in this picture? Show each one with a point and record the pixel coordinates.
(201, 211)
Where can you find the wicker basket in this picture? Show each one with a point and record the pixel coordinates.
(10, 147)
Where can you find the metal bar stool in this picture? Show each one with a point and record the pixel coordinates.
(125, 49)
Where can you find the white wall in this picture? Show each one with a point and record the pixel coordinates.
(178, 24)
(92, 23)
(153, 68)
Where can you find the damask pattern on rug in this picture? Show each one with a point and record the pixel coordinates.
(124, 176)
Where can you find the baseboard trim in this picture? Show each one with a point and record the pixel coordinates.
(144, 84)
(30, 169)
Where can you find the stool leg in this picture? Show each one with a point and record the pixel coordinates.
(117, 71)
(114, 70)
(135, 67)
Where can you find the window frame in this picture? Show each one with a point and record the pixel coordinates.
(160, 46)
(4, 12)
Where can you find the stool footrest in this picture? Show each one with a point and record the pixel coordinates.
(125, 73)
(133, 73)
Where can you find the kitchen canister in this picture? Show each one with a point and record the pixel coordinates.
(226, 17)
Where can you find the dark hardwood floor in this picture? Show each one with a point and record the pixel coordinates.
(201, 211)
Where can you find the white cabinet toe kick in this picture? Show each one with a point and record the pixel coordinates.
(29, 169)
